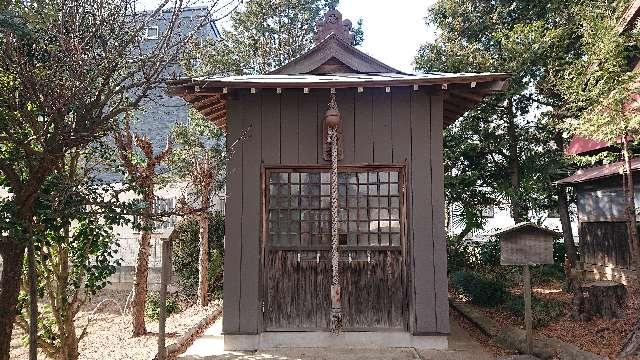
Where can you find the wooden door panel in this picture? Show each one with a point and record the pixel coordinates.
(297, 293)
(373, 294)
(297, 269)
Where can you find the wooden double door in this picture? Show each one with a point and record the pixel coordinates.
(296, 265)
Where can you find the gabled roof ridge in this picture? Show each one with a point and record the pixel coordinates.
(527, 224)
(327, 42)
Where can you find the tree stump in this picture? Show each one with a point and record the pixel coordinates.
(601, 298)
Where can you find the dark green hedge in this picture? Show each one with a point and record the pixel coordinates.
(480, 290)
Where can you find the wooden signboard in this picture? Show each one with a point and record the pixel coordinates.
(526, 247)
(526, 244)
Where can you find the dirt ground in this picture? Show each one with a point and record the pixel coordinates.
(476, 334)
(109, 334)
(599, 336)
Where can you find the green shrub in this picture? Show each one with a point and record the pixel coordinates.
(543, 274)
(480, 289)
(459, 255)
(488, 253)
(544, 311)
(559, 252)
(152, 306)
(186, 253)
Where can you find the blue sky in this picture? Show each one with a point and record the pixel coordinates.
(393, 30)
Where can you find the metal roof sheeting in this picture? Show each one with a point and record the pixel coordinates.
(337, 80)
(598, 172)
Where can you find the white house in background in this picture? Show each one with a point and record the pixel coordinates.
(499, 217)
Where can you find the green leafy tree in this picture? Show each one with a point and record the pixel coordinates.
(605, 94)
(508, 148)
(199, 158)
(263, 36)
(76, 253)
(66, 79)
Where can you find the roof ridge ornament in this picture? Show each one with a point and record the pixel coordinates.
(333, 24)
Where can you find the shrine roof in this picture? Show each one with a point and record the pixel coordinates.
(598, 172)
(461, 91)
(334, 63)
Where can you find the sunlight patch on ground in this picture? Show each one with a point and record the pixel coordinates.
(547, 291)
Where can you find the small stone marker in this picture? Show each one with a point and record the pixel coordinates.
(526, 244)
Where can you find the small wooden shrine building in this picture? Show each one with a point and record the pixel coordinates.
(392, 266)
(602, 227)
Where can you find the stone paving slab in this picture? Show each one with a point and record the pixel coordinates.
(461, 347)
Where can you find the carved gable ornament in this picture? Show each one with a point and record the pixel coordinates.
(333, 23)
(333, 52)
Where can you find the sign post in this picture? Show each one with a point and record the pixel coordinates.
(528, 316)
(165, 278)
(526, 244)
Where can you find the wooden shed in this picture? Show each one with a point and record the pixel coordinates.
(392, 265)
(602, 228)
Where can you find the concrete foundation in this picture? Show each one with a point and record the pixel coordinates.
(320, 339)
(601, 272)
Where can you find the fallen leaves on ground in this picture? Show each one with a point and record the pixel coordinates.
(476, 334)
(109, 332)
(599, 336)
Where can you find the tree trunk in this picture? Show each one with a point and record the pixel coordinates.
(142, 268)
(70, 342)
(517, 210)
(12, 255)
(69, 338)
(604, 298)
(571, 253)
(631, 344)
(33, 299)
(630, 209)
(203, 259)
(565, 220)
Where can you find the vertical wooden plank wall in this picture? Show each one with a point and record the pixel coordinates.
(251, 219)
(421, 222)
(271, 154)
(271, 128)
(345, 99)
(308, 129)
(289, 126)
(401, 154)
(400, 127)
(363, 125)
(382, 134)
(322, 102)
(233, 228)
(437, 203)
